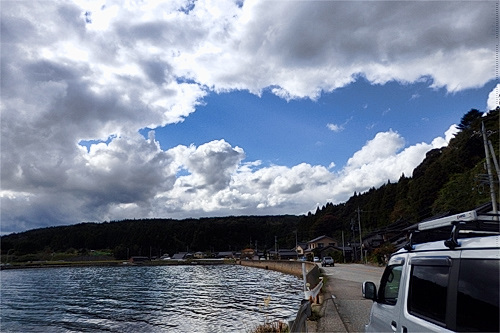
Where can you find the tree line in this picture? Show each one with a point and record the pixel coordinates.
(156, 237)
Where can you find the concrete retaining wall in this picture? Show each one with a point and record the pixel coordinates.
(288, 267)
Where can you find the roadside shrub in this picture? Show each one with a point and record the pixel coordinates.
(315, 315)
(382, 253)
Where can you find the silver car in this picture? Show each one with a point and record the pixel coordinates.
(327, 261)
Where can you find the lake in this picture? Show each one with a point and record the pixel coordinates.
(221, 298)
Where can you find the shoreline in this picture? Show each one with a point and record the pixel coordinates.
(115, 263)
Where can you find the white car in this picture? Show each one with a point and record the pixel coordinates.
(441, 286)
(316, 259)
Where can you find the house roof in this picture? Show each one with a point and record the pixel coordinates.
(338, 248)
(287, 253)
(180, 255)
(226, 253)
(319, 238)
(281, 251)
(345, 248)
(139, 258)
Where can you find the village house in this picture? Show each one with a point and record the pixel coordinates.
(226, 255)
(199, 255)
(181, 256)
(248, 254)
(320, 242)
(301, 248)
(282, 254)
(324, 246)
(138, 259)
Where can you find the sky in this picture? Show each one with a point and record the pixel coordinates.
(180, 109)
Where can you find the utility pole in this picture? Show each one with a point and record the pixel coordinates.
(494, 158)
(495, 161)
(490, 173)
(343, 245)
(360, 241)
(353, 241)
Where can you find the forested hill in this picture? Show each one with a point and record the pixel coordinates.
(448, 180)
(158, 236)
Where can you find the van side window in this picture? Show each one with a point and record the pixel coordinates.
(428, 291)
(389, 285)
(478, 294)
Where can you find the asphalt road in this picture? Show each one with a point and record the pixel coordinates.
(344, 285)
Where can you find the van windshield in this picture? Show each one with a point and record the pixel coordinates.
(389, 285)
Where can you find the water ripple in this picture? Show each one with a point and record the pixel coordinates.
(145, 299)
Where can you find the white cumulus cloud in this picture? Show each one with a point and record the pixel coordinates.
(134, 177)
(334, 127)
(493, 98)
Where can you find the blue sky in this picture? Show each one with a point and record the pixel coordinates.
(287, 133)
(116, 109)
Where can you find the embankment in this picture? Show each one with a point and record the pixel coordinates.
(288, 267)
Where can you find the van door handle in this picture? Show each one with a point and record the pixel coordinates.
(394, 326)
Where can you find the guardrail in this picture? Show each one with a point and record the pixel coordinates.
(310, 275)
(313, 295)
(299, 324)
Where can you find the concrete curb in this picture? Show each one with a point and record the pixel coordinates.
(330, 320)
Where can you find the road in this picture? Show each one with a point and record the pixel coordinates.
(344, 286)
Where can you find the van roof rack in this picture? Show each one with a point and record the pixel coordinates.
(473, 223)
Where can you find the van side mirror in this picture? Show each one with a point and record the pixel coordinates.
(369, 290)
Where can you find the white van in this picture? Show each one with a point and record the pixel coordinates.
(441, 286)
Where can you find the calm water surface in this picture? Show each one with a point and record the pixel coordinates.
(226, 298)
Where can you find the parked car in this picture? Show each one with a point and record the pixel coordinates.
(316, 259)
(449, 285)
(327, 261)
